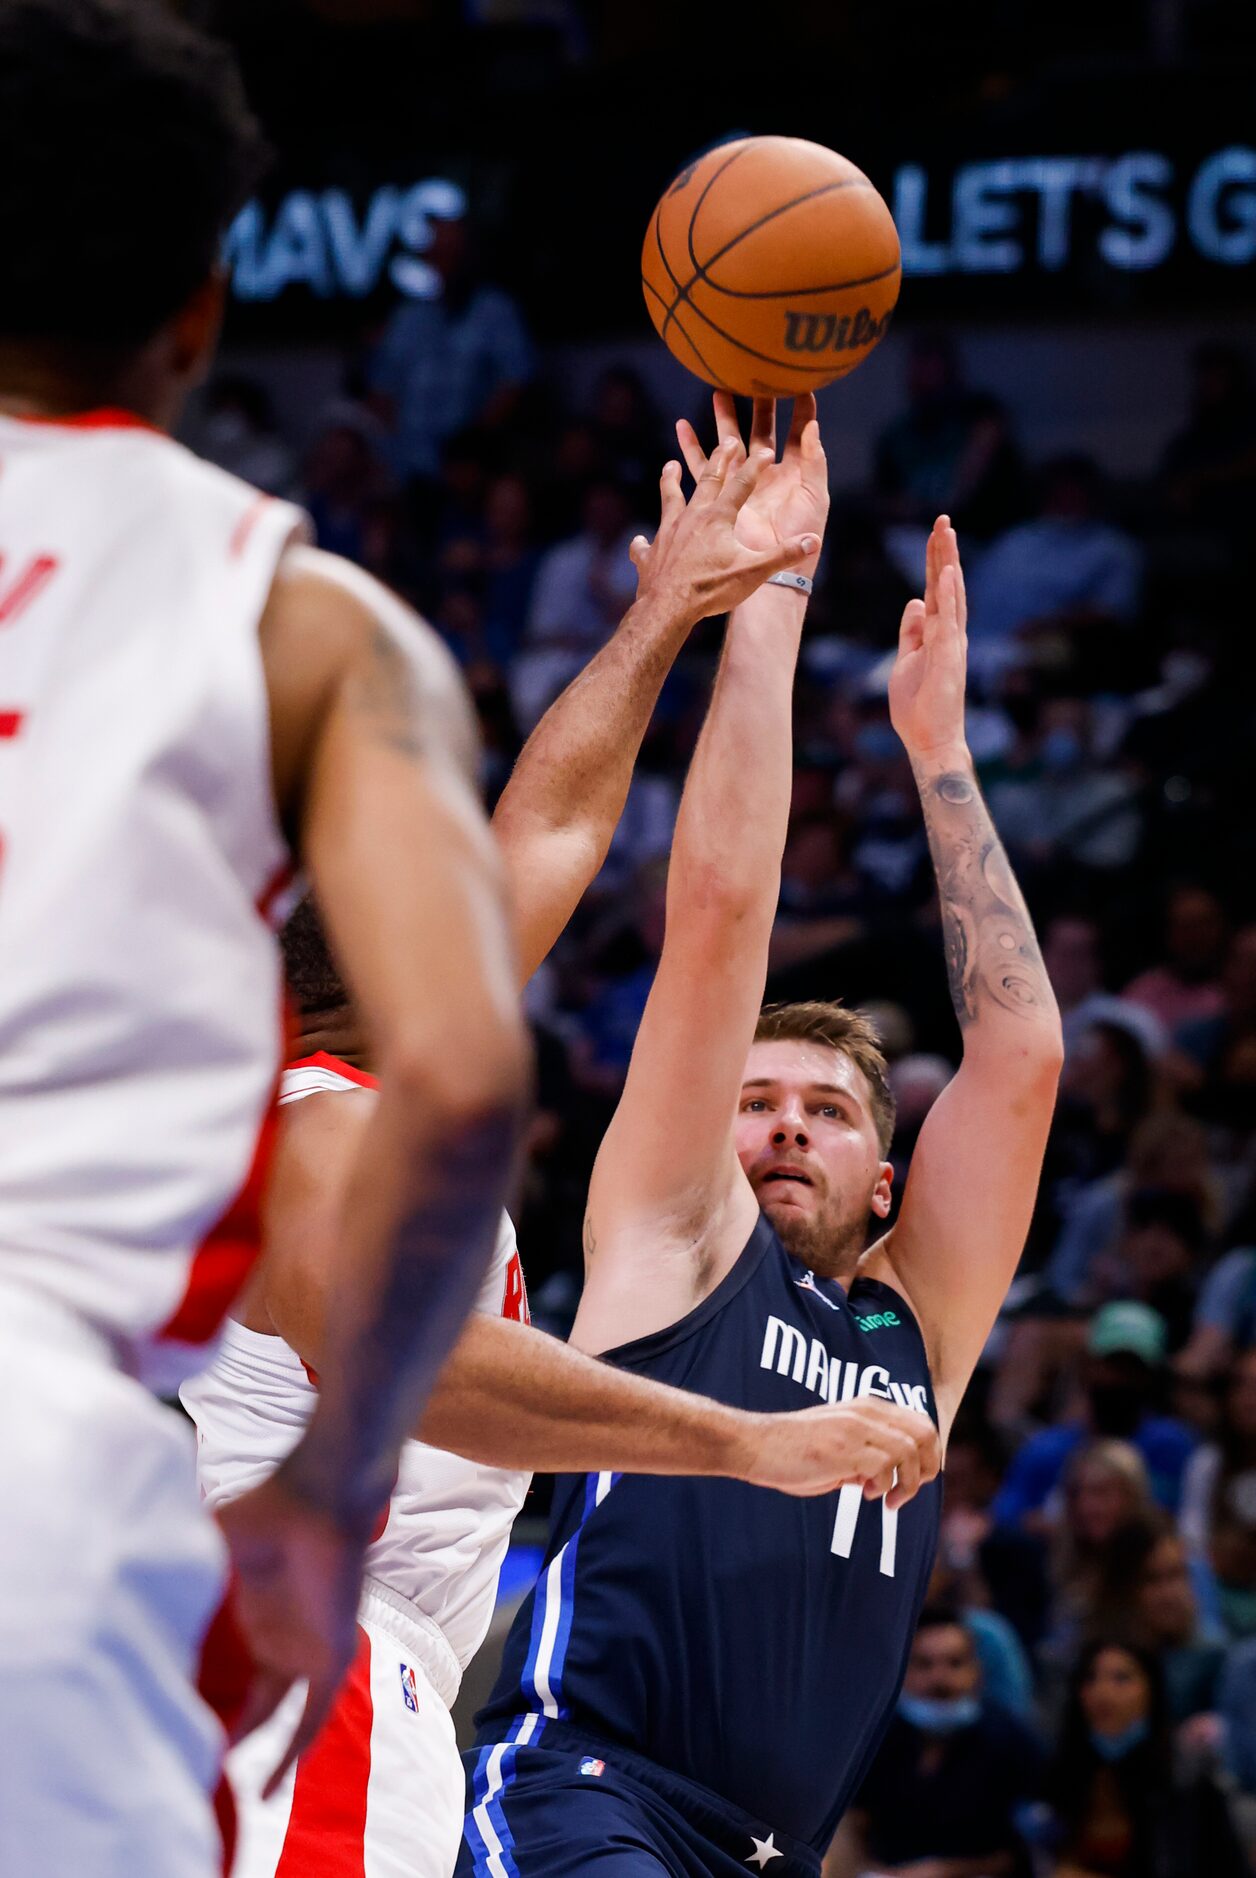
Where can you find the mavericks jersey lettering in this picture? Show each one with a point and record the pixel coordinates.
(749, 1641)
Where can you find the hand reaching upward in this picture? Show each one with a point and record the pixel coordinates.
(705, 559)
(927, 683)
(790, 497)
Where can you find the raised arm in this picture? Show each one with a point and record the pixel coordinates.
(559, 810)
(974, 1175)
(374, 754)
(669, 1207)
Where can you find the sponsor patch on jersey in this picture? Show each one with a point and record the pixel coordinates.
(594, 1769)
(409, 1689)
(879, 1320)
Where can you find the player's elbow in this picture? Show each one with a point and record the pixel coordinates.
(711, 895)
(1034, 1068)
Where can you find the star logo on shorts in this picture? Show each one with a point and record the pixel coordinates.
(764, 1851)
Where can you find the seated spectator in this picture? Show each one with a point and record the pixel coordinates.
(345, 489)
(1069, 805)
(1219, 1053)
(1067, 570)
(583, 588)
(240, 434)
(1108, 1089)
(625, 961)
(952, 1777)
(1218, 1515)
(510, 565)
(444, 363)
(1238, 1714)
(981, 1564)
(1187, 986)
(951, 452)
(1157, 1258)
(630, 436)
(877, 790)
(1168, 1152)
(1225, 1316)
(822, 896)
(1124, 1371)
(1123, 1808)
(1105, 1516)
(1165, 1616)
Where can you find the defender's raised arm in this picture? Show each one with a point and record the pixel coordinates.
(669, 1207)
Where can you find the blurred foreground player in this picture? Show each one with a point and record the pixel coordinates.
(187, 698)
(699, 1681)
(381, 1790)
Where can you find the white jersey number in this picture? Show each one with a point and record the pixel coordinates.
(849, 1502)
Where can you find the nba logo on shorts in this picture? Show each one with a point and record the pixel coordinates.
(593, 1767)
(409, 1693)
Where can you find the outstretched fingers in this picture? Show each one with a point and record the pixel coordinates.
(727, 429)
(804, 413)
(719, 468)
(695, 456)
(911, 633)
(763, 425)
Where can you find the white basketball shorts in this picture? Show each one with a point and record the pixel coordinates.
(379, 1795)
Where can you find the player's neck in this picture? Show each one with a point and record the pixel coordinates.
(45, 382)
(338, 1034)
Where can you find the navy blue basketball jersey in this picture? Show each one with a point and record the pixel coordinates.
(752, 1642)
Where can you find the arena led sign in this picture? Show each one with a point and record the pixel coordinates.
(320, 241)
(1020, 213)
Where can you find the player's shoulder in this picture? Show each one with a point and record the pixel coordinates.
(322, 604)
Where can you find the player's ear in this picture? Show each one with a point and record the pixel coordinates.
(881, 1192)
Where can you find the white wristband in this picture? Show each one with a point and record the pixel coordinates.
(799, 582)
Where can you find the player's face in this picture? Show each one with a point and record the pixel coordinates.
(807, 1141)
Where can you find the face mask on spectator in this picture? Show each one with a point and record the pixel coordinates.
(1116, 1747)
(937, 1717)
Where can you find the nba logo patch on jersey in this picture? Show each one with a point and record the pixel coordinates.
(409, 1690)
(592, 1768)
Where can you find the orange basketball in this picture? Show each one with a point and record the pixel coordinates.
(771, 266)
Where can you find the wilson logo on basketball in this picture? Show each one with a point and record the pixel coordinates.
(825, 332)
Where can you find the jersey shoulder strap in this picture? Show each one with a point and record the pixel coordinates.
(645, 1349)
(322, 1074)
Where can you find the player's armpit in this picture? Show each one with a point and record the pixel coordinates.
(966, 1211)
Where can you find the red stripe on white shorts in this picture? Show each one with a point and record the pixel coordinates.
(326, 1836)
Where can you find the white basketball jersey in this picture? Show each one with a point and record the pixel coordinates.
(449, 1520)
(140, 1013)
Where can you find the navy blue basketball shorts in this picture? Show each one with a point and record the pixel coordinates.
(548, 1801)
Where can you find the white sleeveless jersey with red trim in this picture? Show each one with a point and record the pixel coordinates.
(448, 1521)
(140, 1012)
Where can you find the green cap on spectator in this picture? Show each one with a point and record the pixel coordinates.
(1129, 1329)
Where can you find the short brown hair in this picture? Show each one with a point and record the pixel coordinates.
(837, 1028)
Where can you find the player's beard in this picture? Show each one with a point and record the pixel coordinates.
(828, 1242)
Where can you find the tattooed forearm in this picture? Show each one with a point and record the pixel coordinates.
(992, 956)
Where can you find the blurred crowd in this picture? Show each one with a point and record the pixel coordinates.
(1082, 1695)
